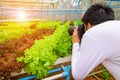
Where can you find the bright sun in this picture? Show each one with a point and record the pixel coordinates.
(21, 15)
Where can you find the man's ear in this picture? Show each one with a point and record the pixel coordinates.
(89, 26)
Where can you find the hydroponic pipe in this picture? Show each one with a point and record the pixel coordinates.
(54, 70)
(64, 74)
(28, 77)
(54, 77)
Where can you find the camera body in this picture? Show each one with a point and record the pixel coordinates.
(81, 30)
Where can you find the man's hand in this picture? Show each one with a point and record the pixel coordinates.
(75, 37)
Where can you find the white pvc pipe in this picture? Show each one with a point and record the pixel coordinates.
(63, 60)
(54, 77)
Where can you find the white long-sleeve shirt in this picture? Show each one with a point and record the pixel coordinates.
(100, 44)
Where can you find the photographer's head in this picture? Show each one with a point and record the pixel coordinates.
(97, 14)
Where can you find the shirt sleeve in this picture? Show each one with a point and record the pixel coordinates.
(86, 57)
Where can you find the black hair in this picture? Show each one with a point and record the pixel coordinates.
(97, 14)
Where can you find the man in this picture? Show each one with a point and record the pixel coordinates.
(99, 44)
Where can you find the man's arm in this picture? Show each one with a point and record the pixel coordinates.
(85, 57)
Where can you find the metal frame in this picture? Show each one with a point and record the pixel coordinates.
(65, 73)
(110, 2)
(45, 13)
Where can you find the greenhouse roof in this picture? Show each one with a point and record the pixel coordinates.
(53, 4)
(26, 3)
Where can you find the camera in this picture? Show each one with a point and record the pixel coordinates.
(81, 30)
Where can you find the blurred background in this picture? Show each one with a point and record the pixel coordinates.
(50, 9)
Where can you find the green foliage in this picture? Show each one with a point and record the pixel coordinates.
(48, 24)
(39, 58)
(64, 42)
(42, 55)
(7, 34)
(14, 30)
(105, 75)
(77, 23)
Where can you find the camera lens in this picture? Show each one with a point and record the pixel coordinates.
(81, 30)
(71, 30)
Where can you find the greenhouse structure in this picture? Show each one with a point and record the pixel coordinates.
(34, 39)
